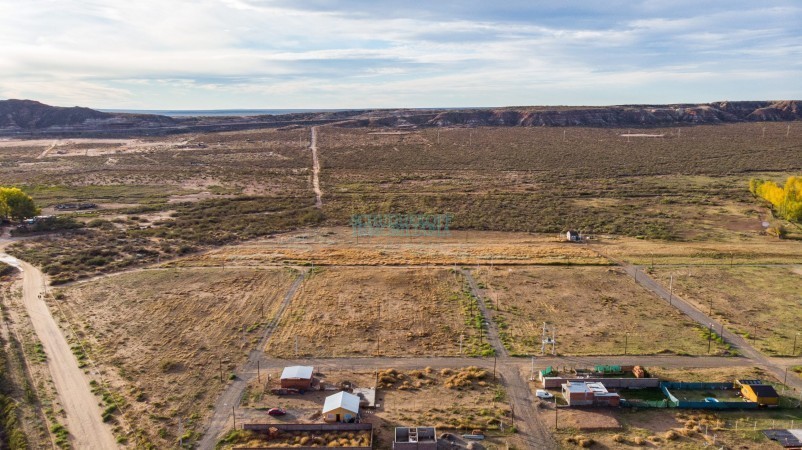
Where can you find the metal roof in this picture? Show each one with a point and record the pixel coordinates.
(297, 372)
(763, 390)
(344, 400)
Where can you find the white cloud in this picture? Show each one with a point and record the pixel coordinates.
(244, 53)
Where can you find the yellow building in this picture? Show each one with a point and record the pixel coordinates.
(762, 394)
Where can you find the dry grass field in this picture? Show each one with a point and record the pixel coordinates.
(455, 400)
(592, 308)
(338, 246)
(732, 251)
(761, 303)
(367, 311)
(162, 337)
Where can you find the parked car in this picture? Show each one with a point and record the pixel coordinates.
(542, 393)
(276, 412)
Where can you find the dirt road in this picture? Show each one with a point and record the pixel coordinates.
(81, 406)
(492, 330)
(316, 170)
(233, 394)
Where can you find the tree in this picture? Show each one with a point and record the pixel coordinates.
(16, 204)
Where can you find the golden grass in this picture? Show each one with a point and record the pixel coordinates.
(593, 309)
(162, 337)
(343, 311)
(758, 302)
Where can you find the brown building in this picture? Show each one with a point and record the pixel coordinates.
(579, 393)
(297, 377)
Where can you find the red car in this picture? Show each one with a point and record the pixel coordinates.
(276, 412)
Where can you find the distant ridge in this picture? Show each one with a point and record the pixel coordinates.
(29, 114)
(31, 118)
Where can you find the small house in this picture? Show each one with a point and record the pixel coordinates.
(756, 391)
(297, 377)
(572, 236)
(579, 393)
(341, 407)
(415, 438)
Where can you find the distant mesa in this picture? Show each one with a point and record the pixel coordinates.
(31, 118)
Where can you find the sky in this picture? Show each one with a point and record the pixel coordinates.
(231, 54)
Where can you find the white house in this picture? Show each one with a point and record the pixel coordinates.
(341, 407)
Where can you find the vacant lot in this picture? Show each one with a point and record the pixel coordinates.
(596, 310)
(762, 303)
(162, 338)
(732, 251)
(365, 311)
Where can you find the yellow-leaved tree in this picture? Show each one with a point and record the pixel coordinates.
(786, 199)
(16, 204)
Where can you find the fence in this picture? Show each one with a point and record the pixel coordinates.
(666, 387)
(609, 383)
(310, 427)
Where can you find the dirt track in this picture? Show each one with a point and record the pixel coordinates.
(81, 406)
(232, 396)
(316, 170)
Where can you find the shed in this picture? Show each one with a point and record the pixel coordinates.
(762, 394)
(341, 407)
(297, 377)
(572, 236)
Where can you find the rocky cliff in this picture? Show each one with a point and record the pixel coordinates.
(26, 118)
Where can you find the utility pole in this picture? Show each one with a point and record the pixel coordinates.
(556, 410)
(533, 368)
(378, 330)
(709, 337)
(258, 372)
(626, 342)
(671, 290)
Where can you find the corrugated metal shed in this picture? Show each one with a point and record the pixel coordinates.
(297, 372)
